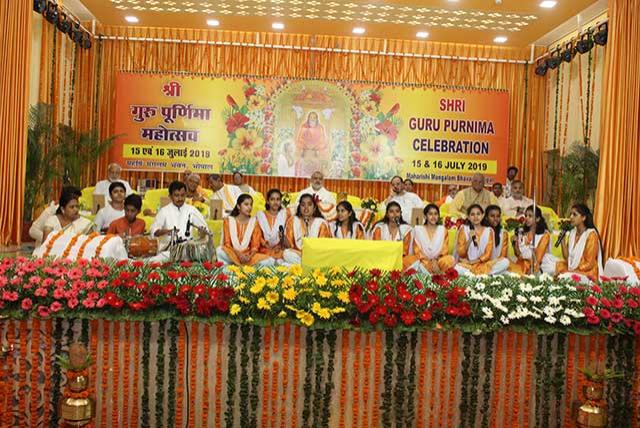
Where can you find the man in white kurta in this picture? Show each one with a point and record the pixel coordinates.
(113, 174)
(407, 200)
(175, 216)
(227, 193)
(517, 203)
(325, 199)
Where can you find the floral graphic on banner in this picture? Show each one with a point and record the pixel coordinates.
(249, 137)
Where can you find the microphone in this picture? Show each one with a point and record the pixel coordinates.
(281, 233)
(397, 220)
(473, 235)
(563, 233)
(306, 224)
(187, 232)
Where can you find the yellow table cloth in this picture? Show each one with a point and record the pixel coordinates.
(351, 253)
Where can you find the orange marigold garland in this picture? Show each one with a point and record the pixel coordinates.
(103, 241)
(90, 238)
(192, 373)
(35, 346)
(435, 352)
(422, 367)
(343, 376)
(497, 379)
(453, 373)
(444, 373)
(51, 243)
(125, 373)
(72, 243)
(218, 388)
(205, 374)
(47, 366)
(22, 373)
(265, 375)
(182, 353)
(571, 355)
(274, 377)
(508, 393)
(106, 340)
(136, 378)
(375, 415)
(296, 377)
(516, 380)
(115, 411)
(356, 379)
(285, 374)
(366, 372)
(531, 337)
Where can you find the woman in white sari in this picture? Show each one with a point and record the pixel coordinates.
(67, 217)
(582, 253)
(431, 244)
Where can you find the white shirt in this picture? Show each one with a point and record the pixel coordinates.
(102, 188)
(36, 231)
(171, 216)
(408, 201)
(507, 189)
(245, 188)
(511, 205)
(106, 215)
(327, 201)
(228, 194)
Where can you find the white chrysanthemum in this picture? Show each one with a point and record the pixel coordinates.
(565, 320)
(550, 319)
(522, 299)
(535, 299)
(545, 277)
(504, 319)
(488, 313)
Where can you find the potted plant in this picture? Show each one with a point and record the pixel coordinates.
(78, 149)
(593, 412)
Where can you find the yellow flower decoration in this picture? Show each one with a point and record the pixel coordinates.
(325, 294)
(335, 270)
(273, 282)
(234, 309)
(338, 310)
(305, 318)
(321, 280)
(243, 300)
(272, 297)
(343, 296)
(258, 285)
(256, 102)
(295, 270)
(282, 314)
(289, 294)
(304, 281)
(288, 282)
(369, 107)
(248, 269)
(282, 269)
(233, 268)
(263, 304)
(338, 282)
(323, 313)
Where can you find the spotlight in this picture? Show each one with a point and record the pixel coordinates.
(76, 33)
(568, 53)
(86, 41)
(39, 6)
(541, 67)
(51, 14)
(600, 37)
(553, 61)
(585, 44)
(64, 23)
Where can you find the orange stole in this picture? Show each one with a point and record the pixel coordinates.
(275, 252)
(504, 241)
(254, 243)
(523, 266)
(407, 259)
(588, 265)
(345, 232)
(484, 264)
(288, 232)
(443, 263)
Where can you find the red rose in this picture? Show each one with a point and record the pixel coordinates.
(381, 310)
(605, 314)
(420, 300)
(616, 317)
(390, 301)
(26, 304)
(452, 274)
(408, 317)
(199, 289)
(632, 303)
(153, 276)
(426, 316)
(390, 320)
(236, 121)
(576, 278)
(592, 301)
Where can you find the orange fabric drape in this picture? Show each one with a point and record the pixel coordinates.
(98, 68)
(15, 44)
(618, 195)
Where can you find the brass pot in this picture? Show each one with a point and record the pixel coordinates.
(78, 383)
(77, 412)
(591, 414)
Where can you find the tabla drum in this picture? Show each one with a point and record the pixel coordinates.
(201, 250)
(142, 246)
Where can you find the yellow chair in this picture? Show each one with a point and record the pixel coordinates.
(151, 200)
(86, 200)
(258, 203)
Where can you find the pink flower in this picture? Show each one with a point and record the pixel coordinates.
(101, 302)
(605, 314)
(47, 282)
(43, 311)
(593, 320)
(617, 303)
(101, 285)
(89, 303)
(26, 304)
(616, 317)
(93, 295)
(72, 303)
(38, 263)
(15, 281)
(41, 292)
(592, 301)
(596, 289)
(93, 273)
(60, 283)
(35, 280)
(9, 296)
(75, 273)
(58, 293)
(55, 306)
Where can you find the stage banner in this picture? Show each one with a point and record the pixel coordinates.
(295, 127)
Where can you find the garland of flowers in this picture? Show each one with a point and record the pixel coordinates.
(255, 379)
(587, 132)
(90, 238)
(398, 399)
(497, 376)
(160, 370)
(591, 95)
(56, 376)
(125, 378)
(563, 142)
(245, 413)
(332, 338)
(355, 410)
(507, 406)
(191, 413)
(265, 374)
(443, 379)
(231, 375)
(307, 388)
(366, 366)
(101, 244)
(411, 408)
(296, 377)
(34, 340)
(205, 374)
(548, 382)
(144, 400)
(47, 366)
(375, 416)
(343, 375)
(274, 378)
(174, 334)
(516, 382)
(115, 364)
(70, 245)
(388, 378)
(464, 391)
(285, 373)
(558, 377)
(486, 387)
(50, 245)
(559, 113)
(218, 389)
(106, 339)
(555, 120)
(455, 352)
(435, 342)
(136, 378)
(316, 415)
(421, 374)
(475, 378)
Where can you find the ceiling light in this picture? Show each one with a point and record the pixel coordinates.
(358, 30)
(422, 34)
(548, 4)
(213, 22)
(277, 26)
(500, 39)
(131, 19)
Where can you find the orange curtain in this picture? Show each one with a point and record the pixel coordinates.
(15, 45)
(618, 196)
(234, 53)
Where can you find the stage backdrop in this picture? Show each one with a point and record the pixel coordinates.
(294, 127)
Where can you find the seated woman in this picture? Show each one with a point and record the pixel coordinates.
(67, 217)
(431, 244)
(346, 226)
(493, 219)
(272, 222)
(474, 245)
(241, 237)
(307, 223)
(393, 228)
(537, 237)
(582, 253)
(114, 209)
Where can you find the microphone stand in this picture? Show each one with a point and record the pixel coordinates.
(535, 226)
(400, 237)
